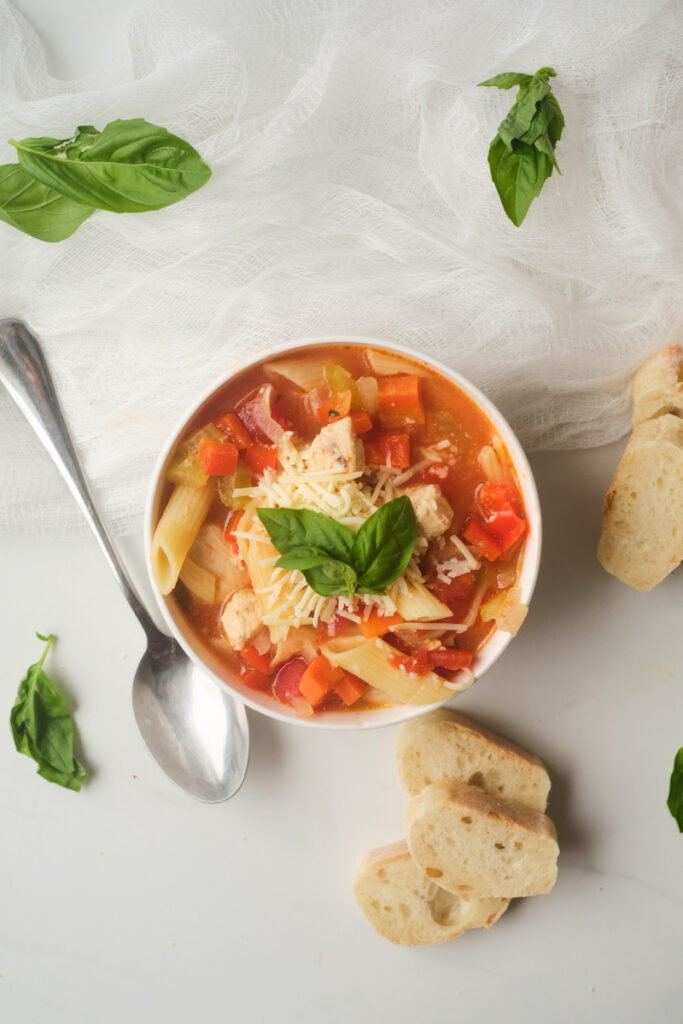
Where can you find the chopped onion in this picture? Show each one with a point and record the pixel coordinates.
(262, 413)
(368, 394)
(302, 707)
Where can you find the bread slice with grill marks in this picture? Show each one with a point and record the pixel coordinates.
(443, 745)
(471, 843)
(409, 909)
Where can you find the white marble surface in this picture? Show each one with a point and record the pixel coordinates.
(131, 902)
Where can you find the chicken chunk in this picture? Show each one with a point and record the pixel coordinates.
(432, 511)
(241, 618)
(337, 448)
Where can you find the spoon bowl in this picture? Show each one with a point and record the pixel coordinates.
(196, 731)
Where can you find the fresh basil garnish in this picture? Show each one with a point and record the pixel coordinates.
(35, 209)
(335, 560)
(522, 154)
(384, 544)
(675, 801)
(42, 727)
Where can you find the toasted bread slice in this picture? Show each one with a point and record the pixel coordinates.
(642, 533)
(409, 909)
(443, 745)
(657, 387)
(472, 843)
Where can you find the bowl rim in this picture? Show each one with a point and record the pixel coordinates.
(499, 639)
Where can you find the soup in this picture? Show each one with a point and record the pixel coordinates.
(344, 528)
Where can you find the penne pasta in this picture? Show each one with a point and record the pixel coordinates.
(199, 581)
(369, 660)
(417, 603)
(211, 552)
(176, 531)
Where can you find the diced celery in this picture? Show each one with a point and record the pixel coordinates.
(338, 378)
(225, 486)
(242, 478)
(494, 606)
(184, 468)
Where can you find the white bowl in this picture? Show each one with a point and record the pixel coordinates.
(207, 659)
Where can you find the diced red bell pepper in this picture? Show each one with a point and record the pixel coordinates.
(350, 689)
(482, 541)
(388, 450)
(451, 658)
(437, 473)
(507, 526)
(378, 625)
(261, 457)
(493, 497)
(329, 406)
(399, 400)
(417, 663)
(217, 458)
(255, 680)
(457, 594)
(286, 683)
(256, 660)
(335, 627)
(319, 678)
(361, 422)
(231, 425)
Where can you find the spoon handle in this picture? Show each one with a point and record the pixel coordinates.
(25, 374)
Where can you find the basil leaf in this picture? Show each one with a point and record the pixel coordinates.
(302, 558)
(300, 528)
(332, 579)
(42, 728)
(675, 801)
(35, 209)
(522, 155)
(129, 167)
(507, 79)
(384, 544)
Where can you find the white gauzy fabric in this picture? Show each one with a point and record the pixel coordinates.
(351, 193)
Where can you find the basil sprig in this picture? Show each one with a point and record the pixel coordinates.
(42, 727)
(336, 561)
(522, 154)
(130, 166)
(675, 801)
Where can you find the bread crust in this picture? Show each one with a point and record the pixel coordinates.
(657, 387)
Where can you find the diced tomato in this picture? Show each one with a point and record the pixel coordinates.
(256, 660)
(507, 526)
(388, 450)
(493, 497)
(261, 457)
(361, 422)
(287, 679)
(437, 473)
(378, 625)
(457, 594)
(482, 541)
(329, 406)
(399, 400)
(350, 689)
(319, 678)
(255, 680)
(232, 426)
(450, 658)
(230, 527)
(217, 458)
(336, 626)
(417, 663)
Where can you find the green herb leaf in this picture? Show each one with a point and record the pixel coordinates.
(675, 801)
(129, 167)
(35, 209)
(303, 558)
(42, 727)
(522, 154)
(300, 528)
(332, 579)
(384, 545)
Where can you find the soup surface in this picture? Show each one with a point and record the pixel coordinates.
(343, 527)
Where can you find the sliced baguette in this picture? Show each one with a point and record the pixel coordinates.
(409, 909)
(472, 843)
(443, 745)
(642, 534)
(657, 387)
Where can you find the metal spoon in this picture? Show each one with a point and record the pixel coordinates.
(198, 734)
